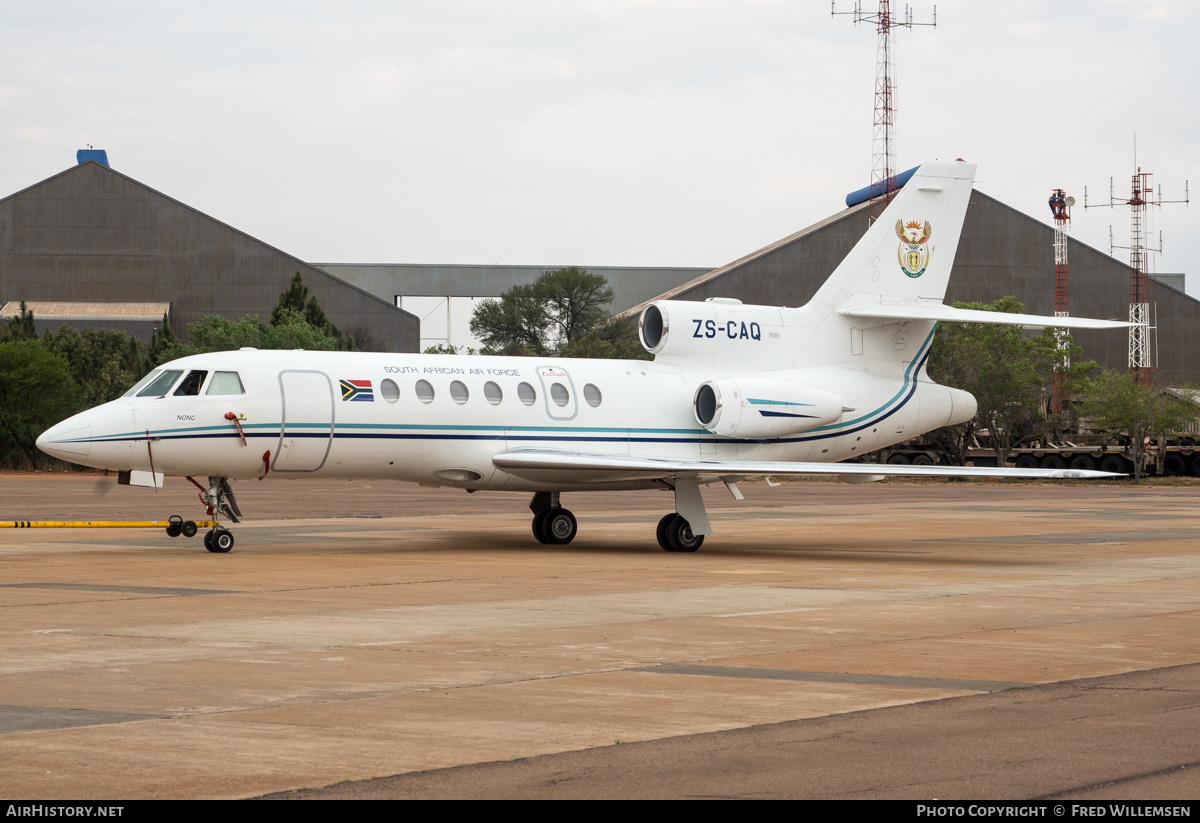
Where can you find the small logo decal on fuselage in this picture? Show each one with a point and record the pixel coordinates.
(913, 253)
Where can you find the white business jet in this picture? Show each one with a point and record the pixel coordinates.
(734, 392)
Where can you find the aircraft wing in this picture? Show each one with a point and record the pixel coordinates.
(579, 467)
(942, 312)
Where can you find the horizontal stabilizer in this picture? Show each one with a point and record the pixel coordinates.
(949, 314)
(579, 467)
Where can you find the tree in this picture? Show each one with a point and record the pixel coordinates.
(514, 324)
(563, 313)
(19, 327)
(162, 345)
(615, 340)
(290, 330)
(35, 393)
(1114, 404)
(448, 348)
(296, 300)
(104, 363)
(576, 302)
(1005, 370)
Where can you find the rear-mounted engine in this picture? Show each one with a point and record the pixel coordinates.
(717, 328)
(763, 408)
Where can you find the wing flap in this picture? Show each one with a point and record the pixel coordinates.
(579, 467)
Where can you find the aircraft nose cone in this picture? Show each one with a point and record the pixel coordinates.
(70, 440)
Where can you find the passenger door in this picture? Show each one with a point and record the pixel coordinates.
(306, 428)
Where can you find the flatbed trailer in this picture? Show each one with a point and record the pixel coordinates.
(1170, 460)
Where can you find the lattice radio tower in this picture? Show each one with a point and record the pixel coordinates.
(1143, 348)
(1060, 208)
(883, 168)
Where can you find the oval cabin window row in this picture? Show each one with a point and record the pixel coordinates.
(560, 395)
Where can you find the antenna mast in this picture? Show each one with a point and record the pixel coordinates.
(1142, 349)
(883, 167)
(1060, 208)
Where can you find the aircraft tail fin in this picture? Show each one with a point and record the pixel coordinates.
(906, 256)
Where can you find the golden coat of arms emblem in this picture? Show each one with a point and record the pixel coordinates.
(913, 253)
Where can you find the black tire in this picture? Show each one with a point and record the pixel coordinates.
(1026, 461)
(222, 541)
(1083, 462)
(899, 460)
(1174, 465)
(661, 531)
(1194, 466)
(560, 527)
(922, 460)
(539, 525)
(1053, 461)
(208, 540)
(175, 529)
(190, 528)
(1113, 463)
(679, 535)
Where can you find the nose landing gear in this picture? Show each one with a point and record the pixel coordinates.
(218, 540)
(219, 499)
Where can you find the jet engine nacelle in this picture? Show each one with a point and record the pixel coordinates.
(762, 408)
(714, 331)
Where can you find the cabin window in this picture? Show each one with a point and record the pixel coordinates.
(389, 390)
(592, 395)
(225, 382)
(190, 387)
(559, 394)
(527, 394)
(141, 384)
(159, 386)
(458, 392)
(492, 392)
(424, 391)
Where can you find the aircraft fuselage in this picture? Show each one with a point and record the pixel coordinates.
(440, 419)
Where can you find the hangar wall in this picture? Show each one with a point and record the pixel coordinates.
(93, 234)
(388, 281)
(445, 295)
(1002, 252)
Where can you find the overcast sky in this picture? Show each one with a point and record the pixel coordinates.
(594, 133)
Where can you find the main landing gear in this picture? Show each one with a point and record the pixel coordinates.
(682, 530)
(675, 534)
(551, 522)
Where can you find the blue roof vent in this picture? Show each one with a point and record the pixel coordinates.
(877, 189)
(99, 155)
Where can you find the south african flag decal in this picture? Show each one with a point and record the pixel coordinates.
(357, 390)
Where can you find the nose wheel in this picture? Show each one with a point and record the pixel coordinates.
(218, 541)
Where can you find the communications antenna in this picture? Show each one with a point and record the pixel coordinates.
(1060, 208)
(1143, 348)
(883, 167)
